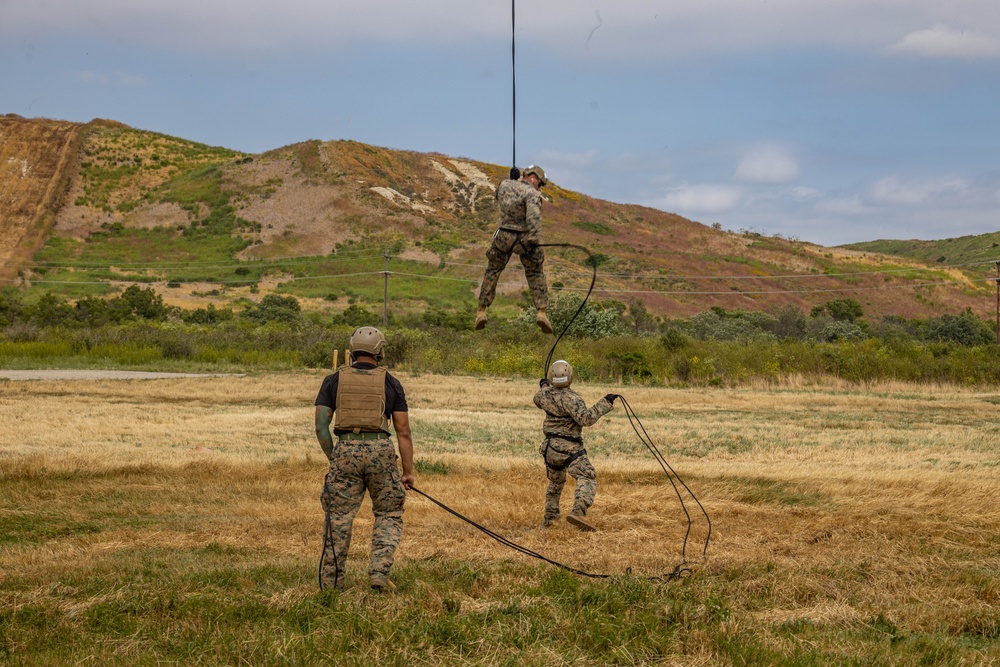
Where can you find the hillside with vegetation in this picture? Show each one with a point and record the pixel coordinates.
(202, 224)
(982, 249)
(147, 250)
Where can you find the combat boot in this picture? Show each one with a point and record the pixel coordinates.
(381, 584)
(581, 523)
(549, 521)
(481, 318)
(543, 321)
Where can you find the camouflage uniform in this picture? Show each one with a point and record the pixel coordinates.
(565, 416)
(357, 466)
(520, 232)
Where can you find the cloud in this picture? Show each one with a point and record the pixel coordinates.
(593, 29)
(767, 165)
(944, 42)
(700, 198)
(893, 191)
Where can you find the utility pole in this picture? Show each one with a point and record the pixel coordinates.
(385, 290)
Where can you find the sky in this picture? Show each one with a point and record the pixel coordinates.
(828, 121)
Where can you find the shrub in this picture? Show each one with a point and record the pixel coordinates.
(964, 329)
(11, 306)
(843, 310)
(597, 319)
(838, 330)
(358, 316)
(144, 302)
(673, 340)
(207, 315)
(737, 325)
(274, 308)
(631, 366)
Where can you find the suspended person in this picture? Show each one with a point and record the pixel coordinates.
(565, 416)
(519, 232)
(365, 398)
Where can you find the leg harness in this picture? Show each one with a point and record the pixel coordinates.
(519, 241)
(572, 457)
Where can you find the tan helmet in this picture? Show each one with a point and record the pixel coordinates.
(537, 171)
(368, 340)
(561, 374)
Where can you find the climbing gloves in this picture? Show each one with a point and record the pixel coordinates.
(610, 398)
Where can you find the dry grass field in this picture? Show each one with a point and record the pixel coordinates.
(178, 521)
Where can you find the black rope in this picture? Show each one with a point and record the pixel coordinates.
(676, 573)
(514, 172)
(593, 279)
(671, 476)
(328, 544)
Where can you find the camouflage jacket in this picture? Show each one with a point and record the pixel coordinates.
(565, 412)
(520, 208)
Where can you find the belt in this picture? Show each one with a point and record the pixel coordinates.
(578, 441)
(363, 436)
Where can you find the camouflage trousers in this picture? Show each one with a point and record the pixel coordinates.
(532, 257)
(357, 466)
(556, 454)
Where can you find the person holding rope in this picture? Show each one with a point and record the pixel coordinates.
(365, 397)
(565, 416)
(519, 232)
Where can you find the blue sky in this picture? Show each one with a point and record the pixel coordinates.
(831, 121)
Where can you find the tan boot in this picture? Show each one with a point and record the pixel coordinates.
(543, 322)
(381, 584)
(581, 523)
(480, 318)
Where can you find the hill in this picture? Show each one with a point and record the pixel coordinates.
(202, 224)
(963, 250)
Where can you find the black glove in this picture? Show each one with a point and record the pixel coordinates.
(610, 398)
(515, 173)
(543, 383)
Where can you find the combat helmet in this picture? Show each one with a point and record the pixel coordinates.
(369, 340)
(561, 373)
(537, 171)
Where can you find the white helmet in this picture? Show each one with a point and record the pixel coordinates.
(368, 340)
(561, 373)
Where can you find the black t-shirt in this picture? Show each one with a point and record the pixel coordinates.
(395, 398)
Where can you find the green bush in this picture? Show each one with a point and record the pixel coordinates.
(274, 308)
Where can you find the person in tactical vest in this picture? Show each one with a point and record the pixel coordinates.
(519, 233)
(562, 449)
(365, 397)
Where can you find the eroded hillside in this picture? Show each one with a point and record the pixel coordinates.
(206, 223)
(35, 158)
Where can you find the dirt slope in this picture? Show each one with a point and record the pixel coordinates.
(35, 157)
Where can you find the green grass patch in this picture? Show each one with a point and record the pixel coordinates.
(594, 227)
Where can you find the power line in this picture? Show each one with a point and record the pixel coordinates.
(786, 276)
(261, 264)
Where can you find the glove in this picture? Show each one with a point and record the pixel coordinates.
(515, 173)
(543, 383)
(610, 398)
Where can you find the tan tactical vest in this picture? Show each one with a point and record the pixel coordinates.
(361, 400)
